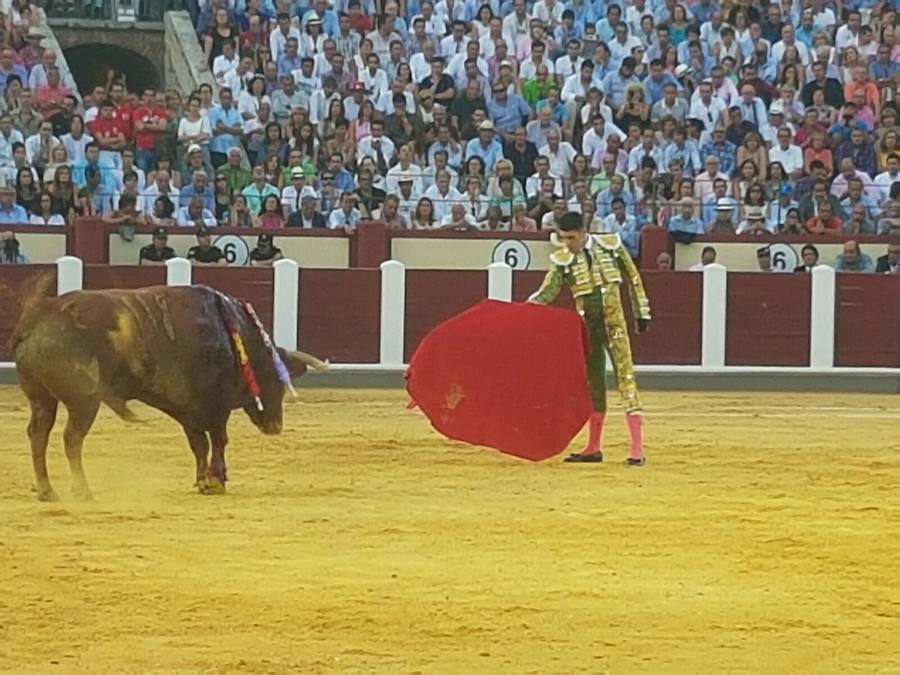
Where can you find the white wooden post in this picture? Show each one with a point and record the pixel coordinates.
(69, 274)
(286, 303)
(178, 272)
(821, 317)
(500, 281)
(393, 311)
(715, 301)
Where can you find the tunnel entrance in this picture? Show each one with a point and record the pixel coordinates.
(90, 64)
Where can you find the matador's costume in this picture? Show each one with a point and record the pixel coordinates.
(594, 275)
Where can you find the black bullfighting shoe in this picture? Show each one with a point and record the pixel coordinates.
(593, 457)
(639, 461)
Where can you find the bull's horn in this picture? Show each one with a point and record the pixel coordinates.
(298, 362)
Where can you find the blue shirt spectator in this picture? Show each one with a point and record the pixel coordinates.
(10, 212)
(853, 260)
(724, 150)
(224, 118)
(616, 189)
(197, 188)
(684, 150)
(615, 83)
(507, 110)
(491, 153)
(656, 81)
(689, 225)
(686, 221)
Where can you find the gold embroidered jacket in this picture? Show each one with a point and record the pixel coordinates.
(611, 265)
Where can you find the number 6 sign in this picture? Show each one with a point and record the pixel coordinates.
(512, 252)
(784, 257)
(236, 251)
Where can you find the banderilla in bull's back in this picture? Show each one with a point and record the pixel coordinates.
(192, 352)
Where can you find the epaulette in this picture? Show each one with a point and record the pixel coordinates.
(562, 256)
(609, 240)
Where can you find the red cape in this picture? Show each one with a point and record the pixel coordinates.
(508, 376)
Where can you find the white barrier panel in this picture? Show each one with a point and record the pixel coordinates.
(821, 317)
(393, 310)
(178, 272)
(715, 301)
(286, 303)
(69, 274)
(500, 282)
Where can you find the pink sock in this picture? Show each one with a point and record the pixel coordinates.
(595, 432)
(635, 423)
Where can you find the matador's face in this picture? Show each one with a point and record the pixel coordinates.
(573, 240)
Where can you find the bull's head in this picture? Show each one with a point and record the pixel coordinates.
(269, 419)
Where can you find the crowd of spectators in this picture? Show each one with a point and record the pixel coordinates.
(503, 115)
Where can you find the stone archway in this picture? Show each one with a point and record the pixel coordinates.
(90, 63)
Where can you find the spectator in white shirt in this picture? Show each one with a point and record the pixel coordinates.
(790, 155)
(282, 32)
(848, 34)
(886, 179)
(378, 147)
(443, 195)
(195, 215)
(374, 79)
(227, 61)
(560, 154)
(596, 136)
(458, 219)
(569, 65)
(708, 107)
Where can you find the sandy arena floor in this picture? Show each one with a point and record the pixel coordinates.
(757, 538)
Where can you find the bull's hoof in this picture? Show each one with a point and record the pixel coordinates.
(47, 494)
(211, 486)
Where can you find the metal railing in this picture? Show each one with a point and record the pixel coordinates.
(114, 11)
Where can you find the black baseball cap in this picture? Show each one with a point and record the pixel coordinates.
(264, 239)
(203, 232)
(160, 233)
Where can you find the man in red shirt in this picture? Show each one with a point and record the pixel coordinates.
(109, 134)
(48, 100)
(149, 125)
(122, 111)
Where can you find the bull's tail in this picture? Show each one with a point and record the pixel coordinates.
(39, 288)
(312, 362)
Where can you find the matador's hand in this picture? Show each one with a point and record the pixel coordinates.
(643, 325)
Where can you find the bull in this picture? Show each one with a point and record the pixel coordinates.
(173, 348)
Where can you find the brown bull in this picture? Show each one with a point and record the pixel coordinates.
(168, 347)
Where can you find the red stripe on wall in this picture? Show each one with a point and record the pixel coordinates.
(122, 276)
(867, 320)
(433, 296)
(768, 319)
(340, 314)
(676, 305)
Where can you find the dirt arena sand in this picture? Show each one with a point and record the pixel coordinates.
(762, 535)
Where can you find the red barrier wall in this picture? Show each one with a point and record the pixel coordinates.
(254, 285)
(15, 280)
(867, 320)
(340, 314)
(433, 296)
(676, 300)
(123, 276)
(768, 319)
(676, 305)
(767, 322)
